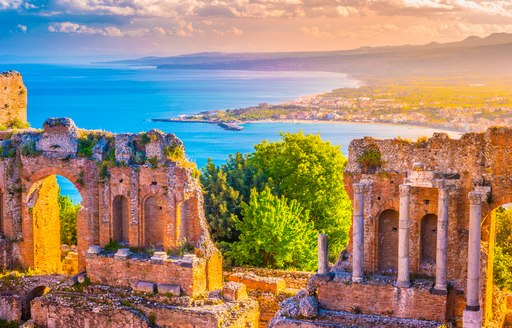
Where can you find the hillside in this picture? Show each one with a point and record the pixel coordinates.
(473, 55)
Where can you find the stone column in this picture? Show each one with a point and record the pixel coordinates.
(323, 254)
(358, 234)
(403, 238)
(472, 316)
(442, 242)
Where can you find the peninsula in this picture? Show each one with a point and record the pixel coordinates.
(463, 105)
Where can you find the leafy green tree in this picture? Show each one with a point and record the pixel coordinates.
(299, 167)
(274, 233)
(309, 170)
(68, 216)
(503, 249)
(225, 188)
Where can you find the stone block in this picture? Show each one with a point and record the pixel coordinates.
(174, 290)
(234, 291)
(509, 302)
(472, 319)
(263, 284)
(122, 254)
(145, 287)
(158, 257)
(94, 250)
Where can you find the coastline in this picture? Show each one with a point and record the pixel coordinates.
(354, 122)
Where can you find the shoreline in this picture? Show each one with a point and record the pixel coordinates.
(354, 122)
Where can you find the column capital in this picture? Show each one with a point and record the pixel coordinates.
(359, 187)
(404, 190)
(475, 198)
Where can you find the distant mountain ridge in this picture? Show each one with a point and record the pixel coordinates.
(491, 55)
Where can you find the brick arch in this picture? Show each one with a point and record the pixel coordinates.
(120, 224)
(387, 241)
(428, 240)
(153, 220)
(87, 234)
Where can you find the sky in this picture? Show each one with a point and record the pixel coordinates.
(128, 28)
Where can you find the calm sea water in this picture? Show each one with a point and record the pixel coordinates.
(121, 99)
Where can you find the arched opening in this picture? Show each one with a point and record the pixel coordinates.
(120, 219)
(53, 205)
(388, 241)
(153, 222)
(428, 240)
(34, 293)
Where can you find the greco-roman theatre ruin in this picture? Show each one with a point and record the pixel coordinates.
(420, 253)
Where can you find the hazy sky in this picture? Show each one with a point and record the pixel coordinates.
(125, 28)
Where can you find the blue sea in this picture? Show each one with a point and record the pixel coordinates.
(124, 99)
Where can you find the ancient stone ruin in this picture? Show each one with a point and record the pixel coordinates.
(138, 191)
(421, 247)
(13, 98)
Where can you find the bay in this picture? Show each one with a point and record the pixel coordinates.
(124, 99)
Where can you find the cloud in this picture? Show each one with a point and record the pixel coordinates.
(314, 31)
(182, 29)
(15, 4)
(234, 31)
(346, 11)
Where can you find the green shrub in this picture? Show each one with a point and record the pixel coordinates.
(153, 161)
(104, 172)
(29, 149)
(112, 246)
(503, 249)
(86, 144)
(274, 233)
(17, 123)
(8, 324)
(174, 152)
(371, 159)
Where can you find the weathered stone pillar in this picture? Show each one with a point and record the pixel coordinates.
(472, 316)
(403, 238)
(323, 254)
(358, 234)
(442, 242)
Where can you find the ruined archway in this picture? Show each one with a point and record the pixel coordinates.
(53, 217)
(120, 219)
(428, 241)
(388, 241)
(153, 221)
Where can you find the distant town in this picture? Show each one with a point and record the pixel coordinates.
(465, 107)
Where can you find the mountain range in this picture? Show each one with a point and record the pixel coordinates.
(474, 55)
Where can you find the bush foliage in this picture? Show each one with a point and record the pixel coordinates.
(274, 233)
(68, 216)
(301, 168)
(503, 249)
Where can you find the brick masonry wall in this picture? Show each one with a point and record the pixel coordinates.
(125, 273)
(385, 300)
(269, 287)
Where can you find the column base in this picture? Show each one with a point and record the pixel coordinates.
(403, 284)
(472, 319)
(357, 279)
(439, 290)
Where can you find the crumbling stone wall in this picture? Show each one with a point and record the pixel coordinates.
(105, 167)
(13, 98)
(476, 160)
